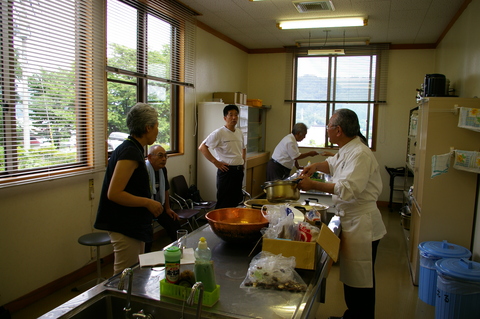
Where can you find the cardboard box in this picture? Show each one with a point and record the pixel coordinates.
(231, 97)
(305, 253)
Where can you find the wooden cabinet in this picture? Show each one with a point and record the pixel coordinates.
(444, 206)
(256, 174)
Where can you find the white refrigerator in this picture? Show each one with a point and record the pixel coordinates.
(209, 118)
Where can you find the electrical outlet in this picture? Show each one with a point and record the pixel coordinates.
(93, 252)
(91, 191)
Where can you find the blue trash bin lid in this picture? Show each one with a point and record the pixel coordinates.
(459, 268)
(443, 249)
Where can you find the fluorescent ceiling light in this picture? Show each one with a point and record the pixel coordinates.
(326, 52)
(332, 41)
(322, 23)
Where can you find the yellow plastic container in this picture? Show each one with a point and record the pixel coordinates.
(182, 293)
(254, 102)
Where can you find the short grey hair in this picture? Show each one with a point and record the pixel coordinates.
(348, 121)
(141, 116)
(299, 128)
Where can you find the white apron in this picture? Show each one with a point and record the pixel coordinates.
(356, 249)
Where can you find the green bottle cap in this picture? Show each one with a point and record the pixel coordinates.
(173, 249)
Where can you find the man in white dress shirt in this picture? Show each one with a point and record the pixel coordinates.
(286, 154)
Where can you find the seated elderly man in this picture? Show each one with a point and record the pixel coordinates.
(156, 161)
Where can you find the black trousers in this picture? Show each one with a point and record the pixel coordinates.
(276, 171)
(361, 301)
(229, 187)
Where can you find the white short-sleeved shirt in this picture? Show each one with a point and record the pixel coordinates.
(286, 151)
(227, 145)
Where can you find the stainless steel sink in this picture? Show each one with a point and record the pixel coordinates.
(109, 304)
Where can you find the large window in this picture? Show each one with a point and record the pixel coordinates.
(51, 78)
(146, 47)
(326, 83)
(53, 88)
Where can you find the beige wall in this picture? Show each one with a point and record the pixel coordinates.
(39, 230)
(220, 67)
(458, 57)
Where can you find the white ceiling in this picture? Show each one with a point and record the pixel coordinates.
(253, 24)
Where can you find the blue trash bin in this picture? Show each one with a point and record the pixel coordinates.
(430, 252)
(458, 289)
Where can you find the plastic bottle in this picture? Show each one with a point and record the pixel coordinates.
(204, 266)
(172, 264)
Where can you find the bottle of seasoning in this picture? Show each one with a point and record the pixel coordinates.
(204, 266)
(172, 264)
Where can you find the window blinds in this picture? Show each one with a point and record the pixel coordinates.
(52, 89)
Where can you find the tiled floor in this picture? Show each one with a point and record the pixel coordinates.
(397, 298)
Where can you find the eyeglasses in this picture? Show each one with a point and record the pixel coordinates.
(162, 155)
(331, 126)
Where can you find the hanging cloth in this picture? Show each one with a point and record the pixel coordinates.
(160, 196)
(440, 164)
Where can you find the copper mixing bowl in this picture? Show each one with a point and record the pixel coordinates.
(237, 225)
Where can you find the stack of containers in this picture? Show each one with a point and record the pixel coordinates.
(458, 289)
(431, 252)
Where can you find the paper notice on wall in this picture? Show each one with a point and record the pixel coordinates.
(157, 258)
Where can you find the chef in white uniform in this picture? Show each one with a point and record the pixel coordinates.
(356, 185)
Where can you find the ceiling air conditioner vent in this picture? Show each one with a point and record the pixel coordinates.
(313, 6)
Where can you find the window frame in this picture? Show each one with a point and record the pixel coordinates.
(178, 81)
(381, 53)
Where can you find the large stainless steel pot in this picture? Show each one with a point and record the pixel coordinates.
(282, 191)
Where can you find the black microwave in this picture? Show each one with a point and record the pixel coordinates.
(434, 85)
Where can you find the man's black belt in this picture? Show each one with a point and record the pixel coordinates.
(277, 162)
(237, 167)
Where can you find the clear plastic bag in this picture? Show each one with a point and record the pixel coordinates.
(277, 213)
(270, 271)
(281, 222)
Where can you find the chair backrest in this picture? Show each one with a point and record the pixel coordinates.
(180, 186)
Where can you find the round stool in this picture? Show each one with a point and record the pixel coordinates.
(94, 239)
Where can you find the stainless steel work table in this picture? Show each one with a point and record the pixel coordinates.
(231, 265)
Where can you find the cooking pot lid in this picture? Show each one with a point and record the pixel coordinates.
(317, 206)
(280, 182)
(297, 215)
